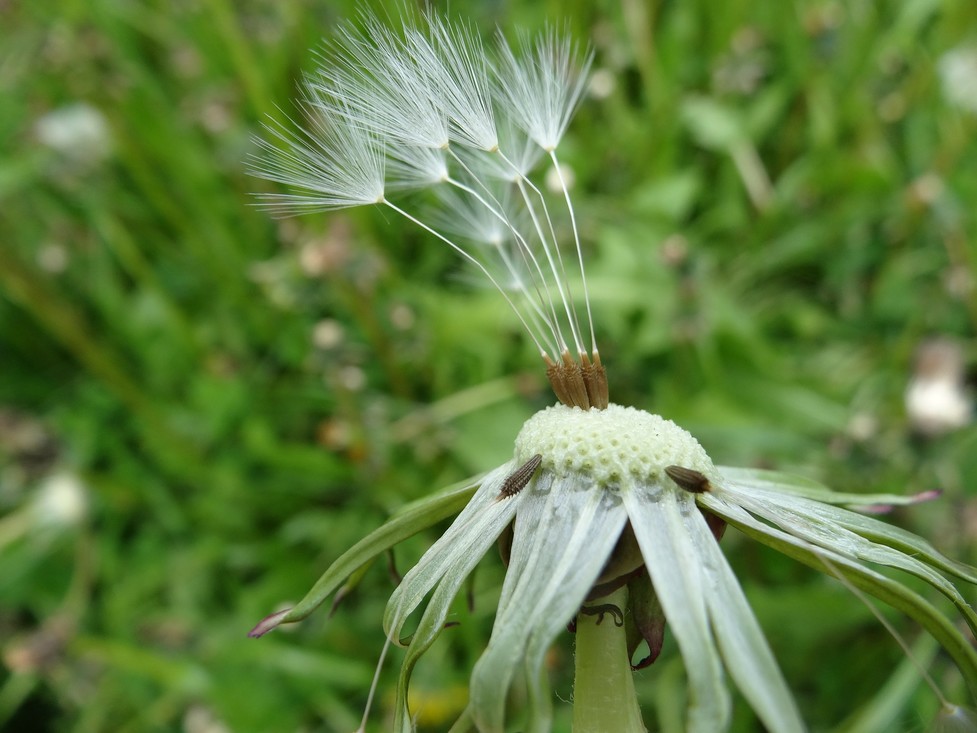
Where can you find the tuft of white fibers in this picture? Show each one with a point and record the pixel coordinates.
(414, 167)
(372, 75)
(433, 106)
(454, 60)
(517, 156)
(541, 84)
(460, 214)
(333, 165)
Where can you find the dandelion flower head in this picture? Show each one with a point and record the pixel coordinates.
(598, 497)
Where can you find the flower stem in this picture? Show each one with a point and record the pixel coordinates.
(603, 691)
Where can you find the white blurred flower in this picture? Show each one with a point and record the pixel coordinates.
(78, 131)
(61, 501)
(602, 83)
(936, 399)
(327, 334)
(927, 189)
(201, 719)
(958, 75)
(351, 377)
(862, 426)
(402, 316)
(558, 177)
(53, 258)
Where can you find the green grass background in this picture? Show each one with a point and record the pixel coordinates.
(777, 204)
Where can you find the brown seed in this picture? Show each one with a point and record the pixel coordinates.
(518, 479)
(688, 479)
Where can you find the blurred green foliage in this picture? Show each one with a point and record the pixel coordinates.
(201, 407)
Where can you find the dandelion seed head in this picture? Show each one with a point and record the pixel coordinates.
(431, 106)
(423, 107)
(611, 445)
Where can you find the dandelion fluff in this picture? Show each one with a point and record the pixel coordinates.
(332, 164)
(542, 83)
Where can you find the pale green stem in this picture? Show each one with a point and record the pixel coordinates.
(603, 688)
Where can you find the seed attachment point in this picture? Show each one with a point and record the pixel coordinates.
(582, 384)
(595, 380)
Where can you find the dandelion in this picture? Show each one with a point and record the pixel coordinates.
(936, 397)
(607, 516)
